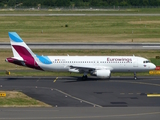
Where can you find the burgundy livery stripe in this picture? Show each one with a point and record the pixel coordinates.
(22, 51)
(27, 57)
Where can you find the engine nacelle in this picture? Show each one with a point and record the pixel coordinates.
(102, 73)
(73, 70)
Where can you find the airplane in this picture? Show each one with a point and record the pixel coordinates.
(100, 66)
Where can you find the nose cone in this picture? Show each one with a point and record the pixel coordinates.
(153, 66)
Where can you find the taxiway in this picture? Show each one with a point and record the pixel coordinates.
(119, 98)
(72, 92)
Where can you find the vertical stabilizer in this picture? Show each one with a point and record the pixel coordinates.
(19, 47)
(23, 55)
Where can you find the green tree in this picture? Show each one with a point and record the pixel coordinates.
(62, 2)
(94, 2)
(82, 2)
(11, 2)
(31, 2)
(123, 3)
(49, 2)
(4, 1)
(77, 3)
(152, 2)
(113, 2)
(1, 3)
(135, 2)
(145, 2)
(157, 3)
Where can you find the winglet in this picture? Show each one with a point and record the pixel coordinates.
(14, 37)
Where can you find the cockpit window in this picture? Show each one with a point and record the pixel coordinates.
(146, 62)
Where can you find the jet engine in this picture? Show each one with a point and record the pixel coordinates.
(73, 70)
(101, 73)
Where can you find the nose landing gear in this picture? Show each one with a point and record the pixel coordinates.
(135, 77)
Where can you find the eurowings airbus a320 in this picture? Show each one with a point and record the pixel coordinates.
(100, 66)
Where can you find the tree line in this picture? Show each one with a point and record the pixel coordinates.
(79, 3)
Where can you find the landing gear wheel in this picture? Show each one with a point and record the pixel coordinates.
(135, 77)
(84, 77)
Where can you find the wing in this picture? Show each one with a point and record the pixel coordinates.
(88, 69)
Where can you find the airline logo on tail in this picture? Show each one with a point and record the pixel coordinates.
(22, 53)
(14, 37)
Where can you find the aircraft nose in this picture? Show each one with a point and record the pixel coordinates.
(153, 66)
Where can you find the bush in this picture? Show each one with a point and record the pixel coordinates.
(66, 25)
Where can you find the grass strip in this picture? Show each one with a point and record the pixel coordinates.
(18, 99)
(40, 74)
(81, 11)
(117, 29)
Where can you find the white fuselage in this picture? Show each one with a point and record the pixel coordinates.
(112, 63)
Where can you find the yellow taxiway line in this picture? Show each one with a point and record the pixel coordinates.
(153, 95)
(55, 79)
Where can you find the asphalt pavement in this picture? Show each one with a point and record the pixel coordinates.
(139, 46)
(71, 98)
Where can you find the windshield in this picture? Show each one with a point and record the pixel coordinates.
(146, 61)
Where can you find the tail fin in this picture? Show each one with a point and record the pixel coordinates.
(23, 55)
(19, 48)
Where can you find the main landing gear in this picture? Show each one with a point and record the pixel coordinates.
(84, 77)
(135, 77)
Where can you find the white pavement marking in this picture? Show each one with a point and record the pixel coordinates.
(151, 46)
(143, 83)
(78, 98)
